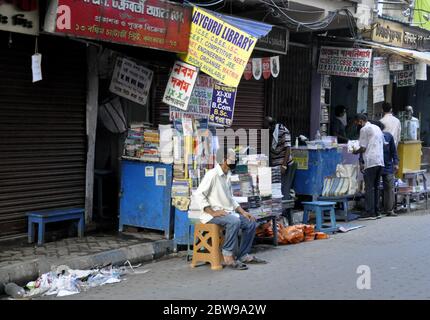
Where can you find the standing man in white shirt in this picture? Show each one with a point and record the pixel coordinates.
(372, 148)
(413, 124)
(391, 123)
(216, 201)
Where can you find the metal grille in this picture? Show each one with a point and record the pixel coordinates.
(42, 129)
(289, 94)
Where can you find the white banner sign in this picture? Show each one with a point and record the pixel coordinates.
(381, 74)
(421, 71)
(180, 85)
(200, 101)
(406, 78)
(131, 81)
(21, 17)
(347, 62)
(378, 94)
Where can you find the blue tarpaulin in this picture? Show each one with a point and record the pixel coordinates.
(254, 28)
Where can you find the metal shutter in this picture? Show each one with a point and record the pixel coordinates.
(42, 129)
(249, 107)
(290, 92)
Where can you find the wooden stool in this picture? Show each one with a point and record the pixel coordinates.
(208, 239)
(320, 207)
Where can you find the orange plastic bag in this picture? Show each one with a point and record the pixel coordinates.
(294, 234)
(309, 229)
(321, 235)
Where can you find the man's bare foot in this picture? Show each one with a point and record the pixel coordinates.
(228, 259)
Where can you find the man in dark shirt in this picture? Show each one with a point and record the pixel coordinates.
(391, 162)
(339, 124)
(280, 153)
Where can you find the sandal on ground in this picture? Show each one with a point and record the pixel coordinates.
(236, 265)
(255, 260)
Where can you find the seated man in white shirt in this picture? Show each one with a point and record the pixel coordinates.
(216, 201)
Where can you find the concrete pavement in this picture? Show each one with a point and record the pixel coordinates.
(394, 248)
(24, 263)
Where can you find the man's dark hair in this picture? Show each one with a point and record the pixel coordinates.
(361, 116)
(339, 109)
(378, 123)
(386, 107)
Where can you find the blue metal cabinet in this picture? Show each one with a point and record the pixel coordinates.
(182, 225)
(321, 163)
(143, 203)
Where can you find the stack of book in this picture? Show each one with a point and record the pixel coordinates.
(166, 143)
(180, 188)
(133, 142)
(265, 181)
(266, 205)
(254, 202)
(235, 185)
(151, 145)
(178, 171)
(276, 191)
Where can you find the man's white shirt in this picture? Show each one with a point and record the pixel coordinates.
(393, 126)
(215, 191)
(372, 138)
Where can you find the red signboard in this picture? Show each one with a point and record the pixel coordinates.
(147, 23)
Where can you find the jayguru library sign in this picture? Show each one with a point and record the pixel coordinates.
(218, 48)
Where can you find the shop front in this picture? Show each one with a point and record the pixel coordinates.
(43, 120)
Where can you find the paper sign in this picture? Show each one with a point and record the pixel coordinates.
(222, 107)
(160, 177)
(131, 80)
(180, 85)
(274, 66)
(381, 74)
(36, 67)
(421, 71)
(149, 171)
(396, 64)
(266, 67)
(257, 68)
(347, 62)
(218, 48)
(406, 78)
(301, 157)
(378, 94)
(200, 101)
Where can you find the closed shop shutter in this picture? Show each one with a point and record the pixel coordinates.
(42, 129)
(249, 108)
(290, 92)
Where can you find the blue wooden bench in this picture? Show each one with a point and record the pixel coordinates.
(55, 215)
(320, 208)
(346, 214)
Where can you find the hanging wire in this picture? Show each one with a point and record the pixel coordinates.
(214, 3)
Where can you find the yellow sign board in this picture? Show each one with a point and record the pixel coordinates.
(301, 157)
(218, 48)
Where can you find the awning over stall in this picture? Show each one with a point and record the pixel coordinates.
(423, 57)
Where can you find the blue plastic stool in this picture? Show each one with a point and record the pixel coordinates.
(321, 207)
